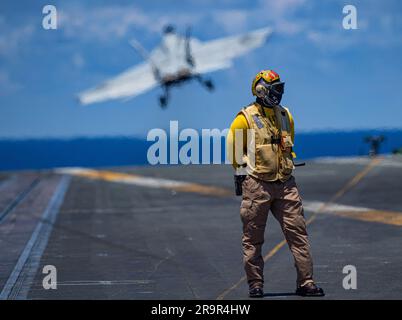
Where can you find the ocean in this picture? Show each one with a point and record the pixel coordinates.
(22, 154)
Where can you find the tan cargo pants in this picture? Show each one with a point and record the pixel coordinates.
(283, 199)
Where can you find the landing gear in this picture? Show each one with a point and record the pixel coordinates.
(181, 78)
(206, 83)
(209, 85)
(163, 100)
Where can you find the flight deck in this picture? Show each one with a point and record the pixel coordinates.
(174, 232)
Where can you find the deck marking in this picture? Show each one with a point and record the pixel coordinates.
(20, 197)
(356, 179)
(389, 161)
(357, 213)
(385, 217)
(36, 245)
(100, 283)
(150, 182)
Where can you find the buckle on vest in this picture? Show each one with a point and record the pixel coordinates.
(275, 140)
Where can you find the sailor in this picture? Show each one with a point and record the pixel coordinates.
(260, 144)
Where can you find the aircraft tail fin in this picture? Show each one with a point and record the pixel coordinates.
(146, 56)
(139, 48)
(189, 57)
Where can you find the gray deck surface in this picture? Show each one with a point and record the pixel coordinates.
(111, 240)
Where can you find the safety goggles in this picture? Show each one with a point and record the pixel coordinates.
(277, 87)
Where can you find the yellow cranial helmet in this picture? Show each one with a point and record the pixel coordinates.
(269, 76)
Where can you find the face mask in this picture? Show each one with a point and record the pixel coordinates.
(271, 94)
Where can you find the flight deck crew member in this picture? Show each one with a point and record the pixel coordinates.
(269, 185)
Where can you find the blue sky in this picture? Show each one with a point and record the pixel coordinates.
(335, 78)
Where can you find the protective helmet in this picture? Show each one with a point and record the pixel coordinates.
(268, 87)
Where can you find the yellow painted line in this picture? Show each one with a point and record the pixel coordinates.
(242, 279)
(357, 213)
(175, 185)
(269, 255)
(106, 175)
(207, 190)
(378, 216)
(356, 179)
(386, 217)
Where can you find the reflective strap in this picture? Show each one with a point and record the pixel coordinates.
(258, 121)
(283, 118)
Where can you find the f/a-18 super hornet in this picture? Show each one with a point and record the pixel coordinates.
(178, 59)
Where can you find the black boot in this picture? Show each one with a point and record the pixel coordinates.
(310, 290)
(256, 293)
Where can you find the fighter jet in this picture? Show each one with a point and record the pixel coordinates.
(178, 59)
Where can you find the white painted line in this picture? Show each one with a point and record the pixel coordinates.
(104, 282)
(133, 179)
(20, 197)
(126, 178)
(101, 283)
(389, 161)
(315, 206)
(38, 241)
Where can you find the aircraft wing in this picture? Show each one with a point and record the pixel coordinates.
(218, 54)
(130, 83)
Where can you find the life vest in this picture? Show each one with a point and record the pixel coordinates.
(269, 146)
